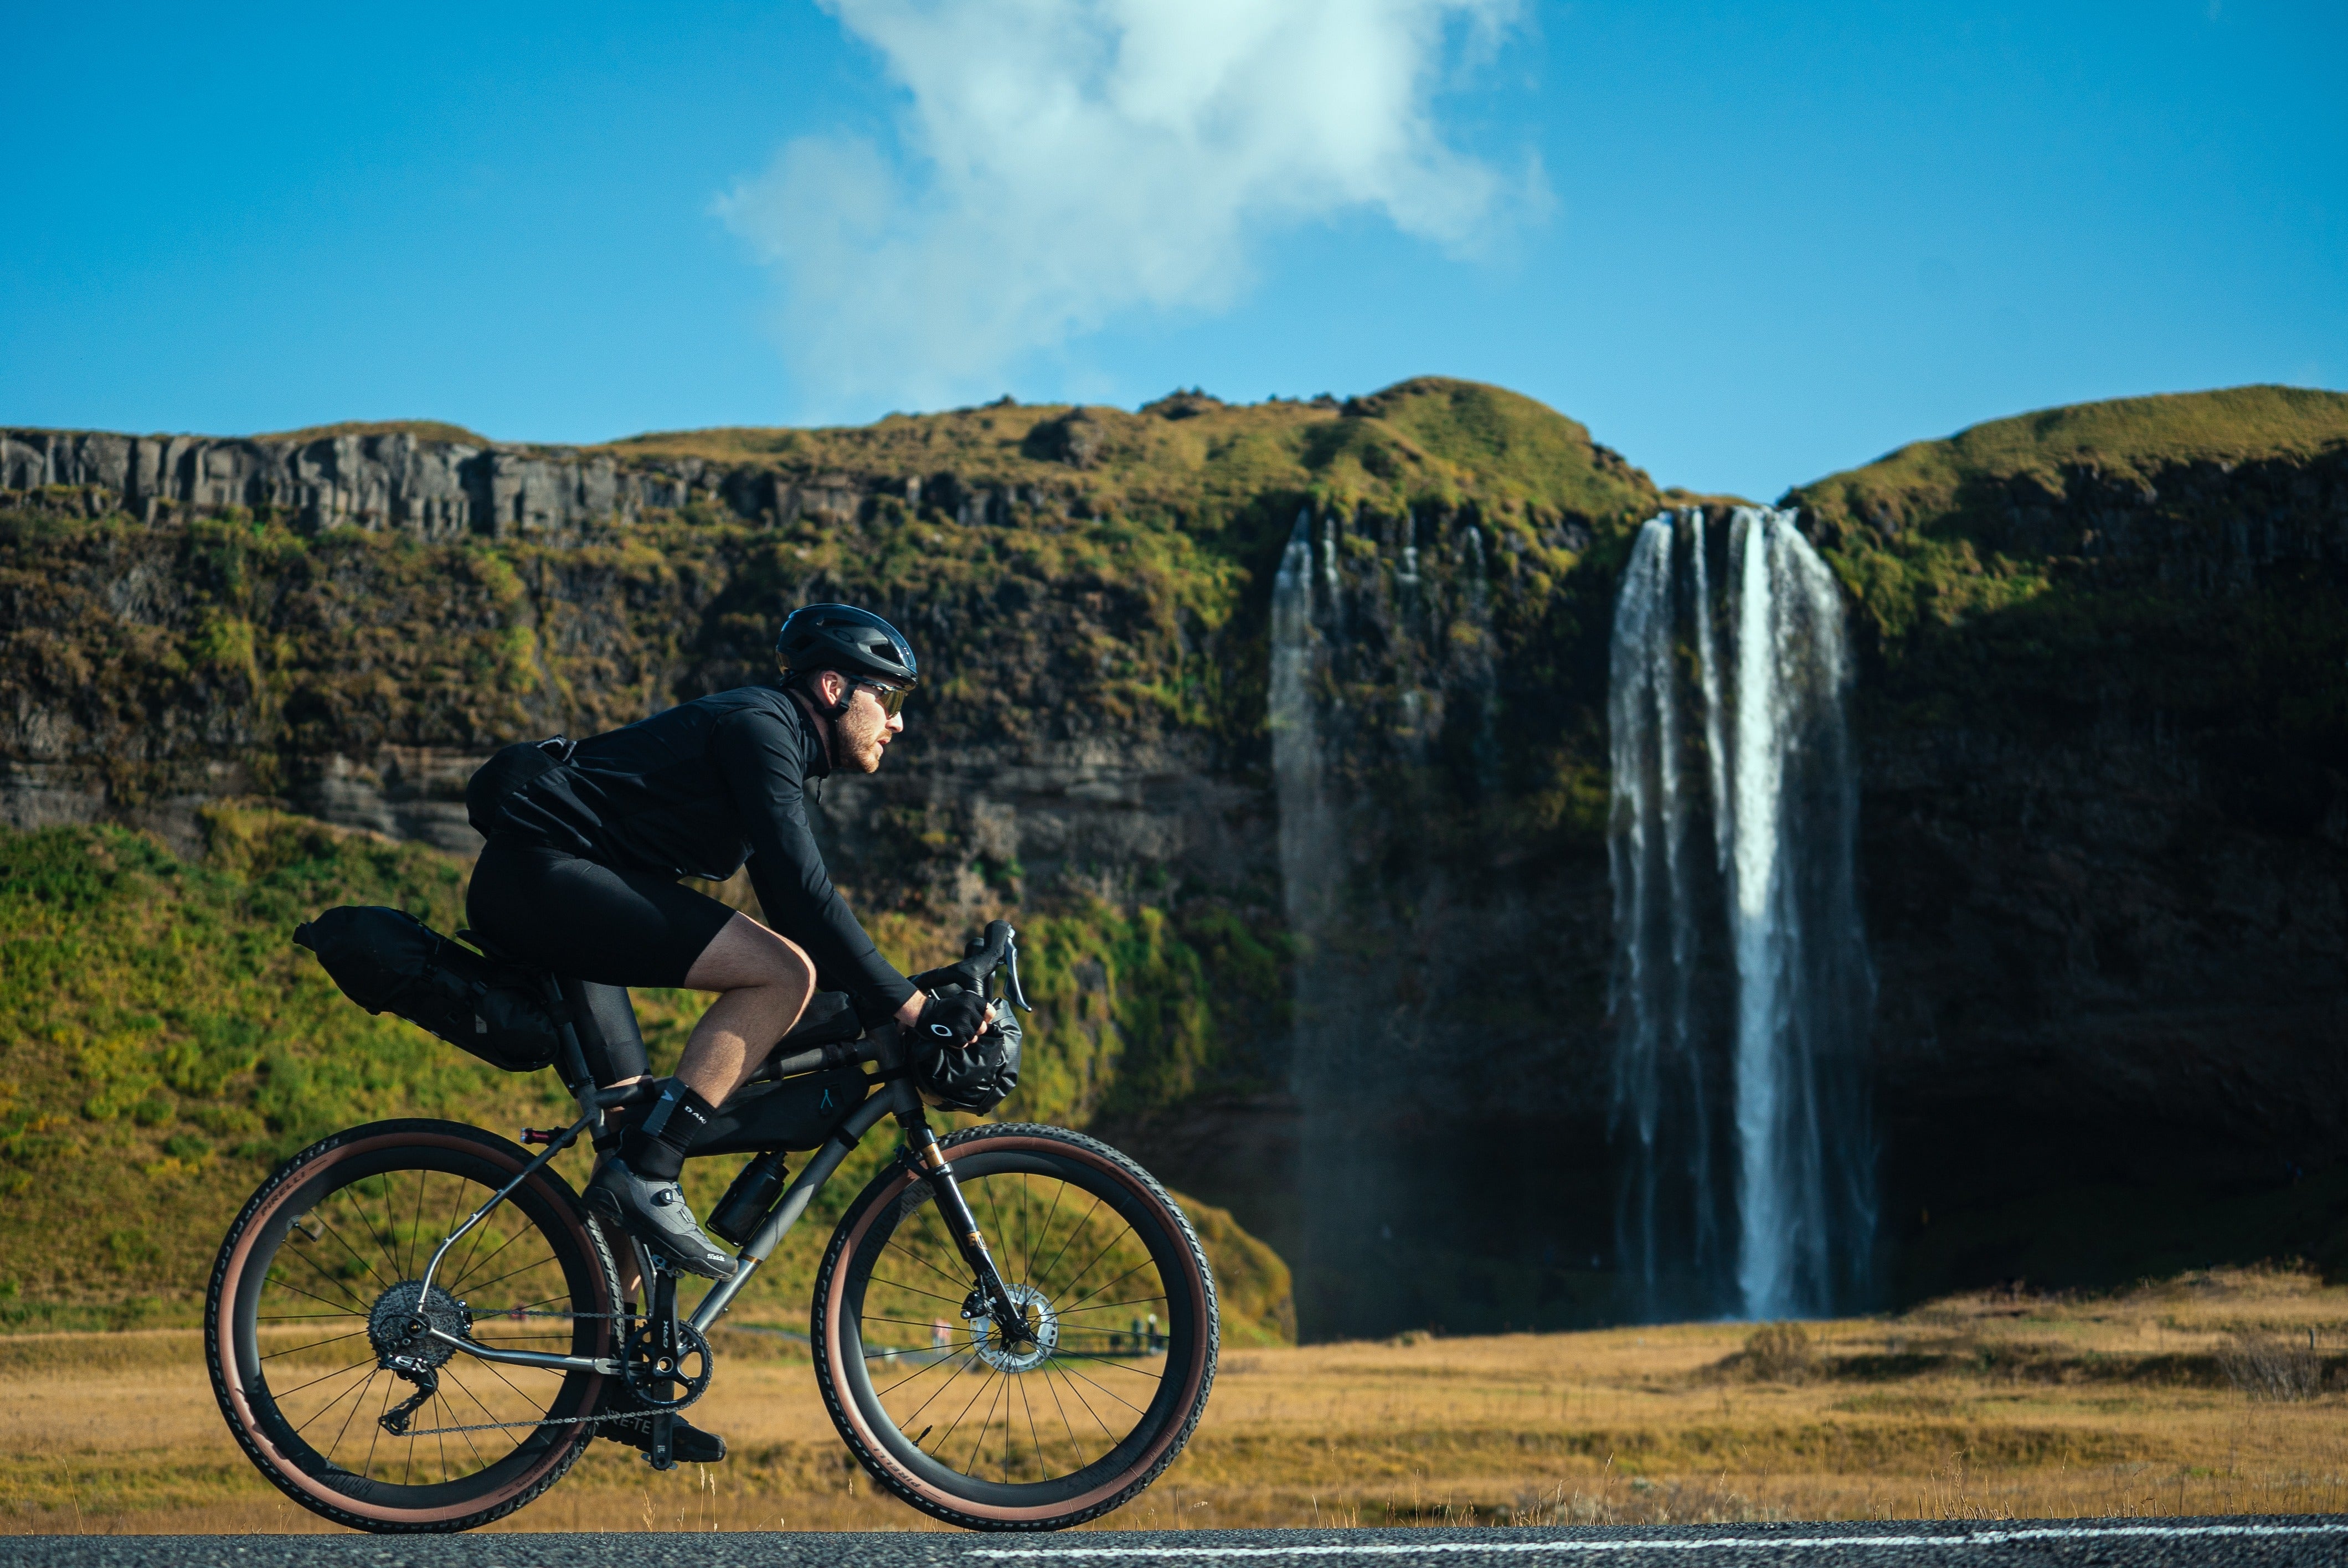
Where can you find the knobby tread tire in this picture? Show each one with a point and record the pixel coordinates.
(892, 1182)
(218, 1353)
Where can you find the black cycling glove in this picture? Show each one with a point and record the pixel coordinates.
(951, 1020)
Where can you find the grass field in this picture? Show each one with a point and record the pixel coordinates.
(2214, 1393)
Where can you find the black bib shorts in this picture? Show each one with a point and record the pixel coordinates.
(584, 919)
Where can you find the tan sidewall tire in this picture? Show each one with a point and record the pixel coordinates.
(830, 1303)
(228, 1281)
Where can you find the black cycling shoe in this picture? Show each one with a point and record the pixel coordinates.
(654, 1213)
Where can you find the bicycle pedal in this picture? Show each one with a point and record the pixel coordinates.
(662, 1455)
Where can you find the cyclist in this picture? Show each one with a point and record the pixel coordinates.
(579, 874)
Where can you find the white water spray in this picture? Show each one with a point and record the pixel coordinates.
(1305, 861)
(1781, 895)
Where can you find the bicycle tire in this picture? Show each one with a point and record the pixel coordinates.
(999, 1167)
(350, 1178)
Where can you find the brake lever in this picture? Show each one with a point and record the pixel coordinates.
(1011, 987)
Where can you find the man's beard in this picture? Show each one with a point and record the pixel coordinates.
(859, 740)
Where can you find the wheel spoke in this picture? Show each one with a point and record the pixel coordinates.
(453, 1284)
(314, 1344)
(1096, 1291)
(315, 1381)
(367, 1469)
(986, 1377)
(978, 1444)
(1120, 1363)
(1028, 1404)
(1058, 1192)
(1073, 1234)
(933, 1267)
(917, 1290)
(1112, 1393)
(346, 1246)
(338, 1399)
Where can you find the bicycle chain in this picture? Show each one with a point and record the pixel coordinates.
(543, 1420)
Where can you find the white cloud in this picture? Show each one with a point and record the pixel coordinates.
(1064, 161)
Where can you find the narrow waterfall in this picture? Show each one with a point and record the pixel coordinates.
(1741, 976)
(1306, 872)
(1381, 713)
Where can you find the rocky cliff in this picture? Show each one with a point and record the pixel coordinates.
(345, 620)
(2105, 719)
(2105, 682)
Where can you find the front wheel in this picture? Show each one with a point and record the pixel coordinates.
(1062, 1423)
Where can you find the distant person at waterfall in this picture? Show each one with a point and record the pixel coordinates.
(580, 876)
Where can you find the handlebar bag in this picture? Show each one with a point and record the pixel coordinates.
(977, 1077)
(388, 961)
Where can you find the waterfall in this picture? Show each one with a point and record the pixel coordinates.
(1305, 862)
(1381, 710)
(1783, 1029)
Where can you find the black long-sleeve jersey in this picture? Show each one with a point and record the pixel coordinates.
(696, 791)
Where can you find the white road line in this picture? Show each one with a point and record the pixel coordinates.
(1696, 1544)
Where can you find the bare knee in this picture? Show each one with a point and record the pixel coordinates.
(794, 970)
(745, 955)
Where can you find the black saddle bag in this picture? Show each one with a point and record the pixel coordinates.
(388, 961)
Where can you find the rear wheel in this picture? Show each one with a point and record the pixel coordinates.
(312, 1296)
(1059, 1424)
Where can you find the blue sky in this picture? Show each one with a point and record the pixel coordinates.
(1746, 245)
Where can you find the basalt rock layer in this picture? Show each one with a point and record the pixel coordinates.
(2103, 714)
(340, 621)
(2104, 682)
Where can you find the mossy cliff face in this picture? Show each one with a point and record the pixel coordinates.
(1089, 589)
(2104, 710)
(2105, 682)
(164, 1043)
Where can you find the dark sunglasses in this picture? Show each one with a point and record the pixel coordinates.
(892, 698)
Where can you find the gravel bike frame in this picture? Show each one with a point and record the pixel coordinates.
(990, 1297)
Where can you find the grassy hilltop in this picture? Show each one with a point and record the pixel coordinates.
(1940, 529)
(1427, 441)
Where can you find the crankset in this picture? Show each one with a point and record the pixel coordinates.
(666, 1364)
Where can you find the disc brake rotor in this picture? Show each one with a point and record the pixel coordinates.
(1041, 1339)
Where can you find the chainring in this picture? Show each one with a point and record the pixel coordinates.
(657, 1358)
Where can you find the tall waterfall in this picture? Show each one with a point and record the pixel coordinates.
(1742, 991)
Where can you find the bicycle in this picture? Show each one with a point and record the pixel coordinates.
(994, 1387)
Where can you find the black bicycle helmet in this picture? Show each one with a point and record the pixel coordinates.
(851, 641)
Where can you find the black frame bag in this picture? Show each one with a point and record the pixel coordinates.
(388, 961)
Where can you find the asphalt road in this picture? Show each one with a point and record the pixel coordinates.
(2106, 1544)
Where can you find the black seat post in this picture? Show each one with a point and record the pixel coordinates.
(609, 1038)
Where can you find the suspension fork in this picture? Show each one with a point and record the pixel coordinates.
(929, 1157)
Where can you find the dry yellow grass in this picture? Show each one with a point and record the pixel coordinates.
(2154, 1402)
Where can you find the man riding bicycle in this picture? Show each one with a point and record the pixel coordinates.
(580, 876)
